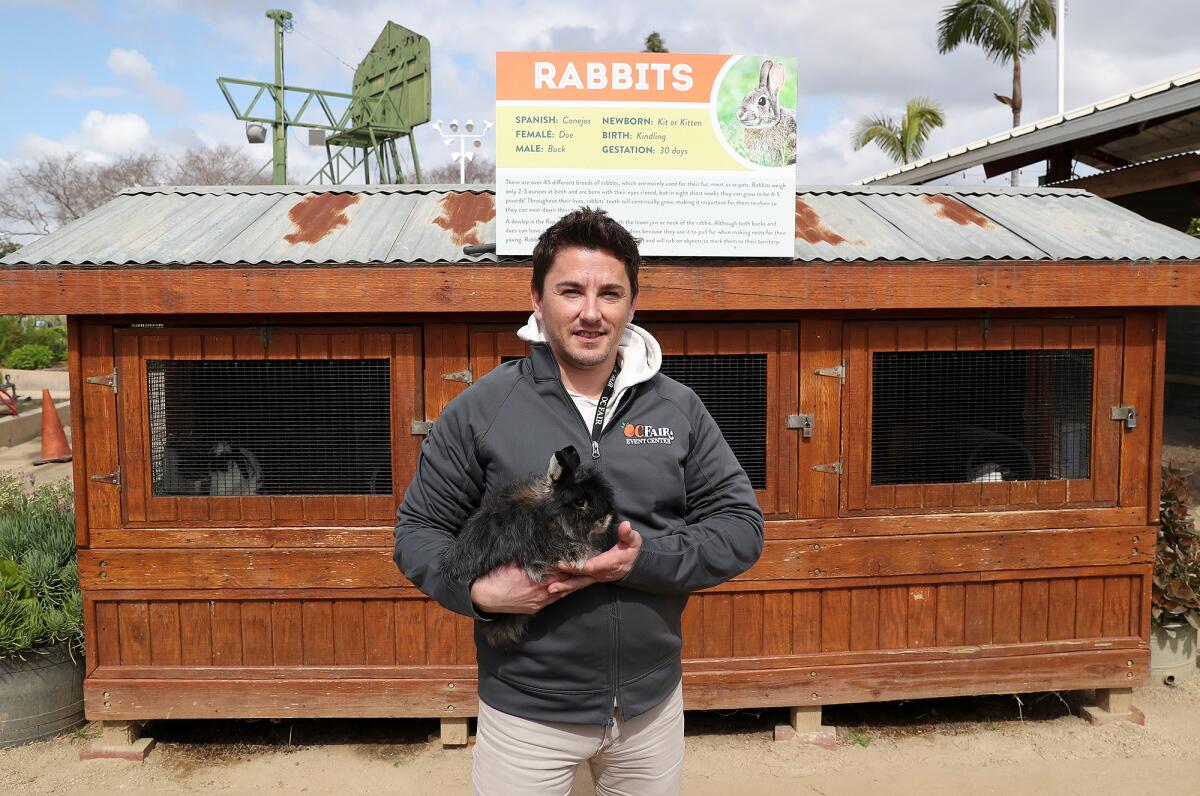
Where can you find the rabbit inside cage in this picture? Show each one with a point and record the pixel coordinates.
(270, 428)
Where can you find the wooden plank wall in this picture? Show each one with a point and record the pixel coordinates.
(269, 621)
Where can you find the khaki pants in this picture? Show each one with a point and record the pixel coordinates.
(642, 756)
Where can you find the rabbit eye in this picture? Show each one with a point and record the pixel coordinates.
(762, 101)
(580, 503)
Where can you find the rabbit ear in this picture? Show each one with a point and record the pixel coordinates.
(764, 72)
(563, 462)
(775, 77)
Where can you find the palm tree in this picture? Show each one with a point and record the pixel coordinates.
(902, 140)
(1005, 30)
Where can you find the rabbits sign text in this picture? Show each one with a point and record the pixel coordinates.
(695, 154)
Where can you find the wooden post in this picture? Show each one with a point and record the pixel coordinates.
(1115, 700)
(1113, 704)
(804, 724)
(119, 740)
(455, 731)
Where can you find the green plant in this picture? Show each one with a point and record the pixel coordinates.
(30, 357)
(859, 738)
(40, 601)
(1193, 228)
(1006, 30)
(53, 337)
(902, 140)
(1175, 594)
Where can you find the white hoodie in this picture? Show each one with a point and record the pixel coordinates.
(640, 354)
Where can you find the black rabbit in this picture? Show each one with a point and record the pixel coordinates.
(566, 515)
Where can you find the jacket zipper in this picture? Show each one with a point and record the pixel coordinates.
(614, 634)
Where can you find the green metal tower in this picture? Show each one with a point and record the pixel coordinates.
(283, 22)
(390, 96)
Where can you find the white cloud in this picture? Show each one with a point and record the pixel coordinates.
(132, 66)
(114, 133)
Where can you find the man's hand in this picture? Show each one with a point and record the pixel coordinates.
(508, 590)
(612, 564)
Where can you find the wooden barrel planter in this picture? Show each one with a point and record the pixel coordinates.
(40, 695)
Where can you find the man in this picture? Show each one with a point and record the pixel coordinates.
(598, 676)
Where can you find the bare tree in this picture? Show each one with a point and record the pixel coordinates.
(222, 164)
(38, 196)
(477, 171)
(53, 190)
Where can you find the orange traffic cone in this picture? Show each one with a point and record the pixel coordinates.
(54, 439)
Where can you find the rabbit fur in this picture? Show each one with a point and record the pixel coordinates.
(768, 131)
(568, 514)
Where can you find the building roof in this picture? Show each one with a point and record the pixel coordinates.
(1156, 120)
(382, 225)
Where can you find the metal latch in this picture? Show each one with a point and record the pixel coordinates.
(421, 428)
(802, 422)
(1126, 413)
(837, 372)
(107, 380)
(113, 478)
(458, 375)
(832, 467)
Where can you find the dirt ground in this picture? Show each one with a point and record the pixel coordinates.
(976, 745)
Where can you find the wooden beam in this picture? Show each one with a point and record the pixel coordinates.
(876, 557)
(701, 286)
(1180, 170)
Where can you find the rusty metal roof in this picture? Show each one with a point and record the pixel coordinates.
(378, 225)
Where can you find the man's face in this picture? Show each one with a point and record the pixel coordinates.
(585, 304)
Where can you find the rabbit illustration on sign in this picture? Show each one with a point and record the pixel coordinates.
(768, 130)
(566, 515)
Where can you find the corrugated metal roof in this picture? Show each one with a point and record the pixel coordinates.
(369, 225)
(1175, 95)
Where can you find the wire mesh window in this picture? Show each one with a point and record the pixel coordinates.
(734, 389)
(275, 427)
(979, 416)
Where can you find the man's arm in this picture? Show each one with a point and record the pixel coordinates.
(447, 487)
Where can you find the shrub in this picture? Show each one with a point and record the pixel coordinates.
(53, 337)
(1175, 594)
(10, 334)
(40, 602)
(30, 357)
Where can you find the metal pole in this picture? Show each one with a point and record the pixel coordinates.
(283, 21)
(462, 160)
(1062, 56)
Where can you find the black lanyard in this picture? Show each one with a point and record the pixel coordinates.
(602, 408)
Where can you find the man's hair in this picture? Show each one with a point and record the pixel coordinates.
(586, 228)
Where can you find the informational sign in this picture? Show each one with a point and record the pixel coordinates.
(694, 154)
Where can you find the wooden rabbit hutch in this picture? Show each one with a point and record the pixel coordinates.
(949, 404)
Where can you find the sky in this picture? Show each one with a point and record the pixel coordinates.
(106, 78)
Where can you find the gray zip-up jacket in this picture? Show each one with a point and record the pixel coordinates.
(676, 481)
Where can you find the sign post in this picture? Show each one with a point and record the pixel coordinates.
(694, 154)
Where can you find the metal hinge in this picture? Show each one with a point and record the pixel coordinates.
(113, 478)
(422, 427)
(832, 467)
(107, 380)
(802, 422)
(837, 372)
(458, 375)
(1126, 413)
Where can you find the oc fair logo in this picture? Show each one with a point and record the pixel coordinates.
(640, 434)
